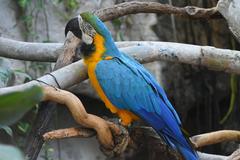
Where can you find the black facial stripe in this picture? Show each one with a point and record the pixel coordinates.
(87, 49)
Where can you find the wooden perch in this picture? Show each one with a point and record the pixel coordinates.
(80, 115)
(113, 139)
(144, 51)
(215, 137)
(146, 132)
(198, 141)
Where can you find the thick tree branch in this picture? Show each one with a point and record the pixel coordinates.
(214, 58)
(198, 140)
(231, 12)
(134, 7)
(30, 51)
(74, 73)
(69, 51)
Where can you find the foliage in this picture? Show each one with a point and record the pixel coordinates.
(14, 105)
(6, 74)
(7, 129)
(234, 90)
(23, 3)
(10, 153)
(24, 127)
(70, 4)
(117, 26)
(48, 151)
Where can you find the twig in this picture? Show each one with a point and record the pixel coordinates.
(69, 132)
(153, 7)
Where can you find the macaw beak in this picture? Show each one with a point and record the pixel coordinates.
(73, 26)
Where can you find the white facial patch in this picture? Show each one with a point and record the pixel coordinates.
(86, 38)
(80, 20)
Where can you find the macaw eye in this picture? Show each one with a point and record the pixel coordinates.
(88, 29)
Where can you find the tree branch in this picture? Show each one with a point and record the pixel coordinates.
(30, 51)
(198, 140)
(74, 73)
(213, 58)
(215, 137)
(134, 7)
(230, 11)
(80, 115)
(69, 132)
(42, 120)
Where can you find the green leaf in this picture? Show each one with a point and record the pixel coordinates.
(72, 4)
(14, 105)
(8, 152)
(23, 3)
(7, 129)
(116, 23)
(233, 84)
(23, 127)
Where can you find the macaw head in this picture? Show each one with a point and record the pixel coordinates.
(82, 28)
(93, 33)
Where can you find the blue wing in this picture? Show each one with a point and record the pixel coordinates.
(128, 85)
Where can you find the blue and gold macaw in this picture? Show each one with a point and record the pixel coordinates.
(124, 85)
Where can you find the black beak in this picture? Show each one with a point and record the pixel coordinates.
(73, 26)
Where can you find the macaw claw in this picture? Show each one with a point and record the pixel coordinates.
(121, 141)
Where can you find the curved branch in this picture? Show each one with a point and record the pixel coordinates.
(215, 137)
(134, 7)
(80, 115)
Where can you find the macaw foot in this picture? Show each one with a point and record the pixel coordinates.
(121, 140)
(126, 117)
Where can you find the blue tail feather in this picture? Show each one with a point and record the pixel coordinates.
(187, 152)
